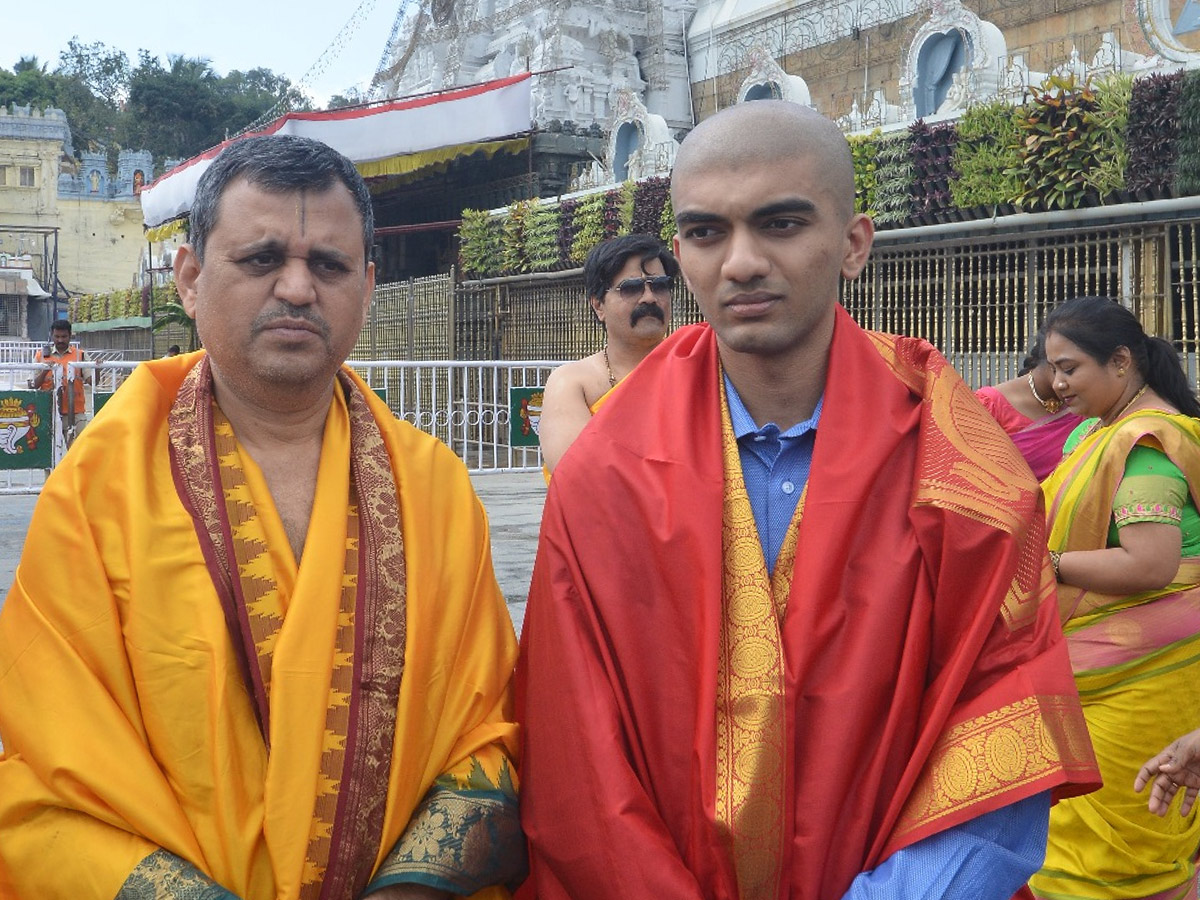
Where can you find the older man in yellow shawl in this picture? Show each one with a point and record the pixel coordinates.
(255, 648)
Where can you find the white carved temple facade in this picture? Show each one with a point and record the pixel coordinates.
(640, 73)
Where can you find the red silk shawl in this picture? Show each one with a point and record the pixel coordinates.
(926, 676)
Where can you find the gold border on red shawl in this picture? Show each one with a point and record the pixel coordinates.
(967, 463)
(1023, 598)
(1000, 752)
(751, 745)
(968, 466)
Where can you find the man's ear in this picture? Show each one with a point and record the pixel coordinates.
(597, 304)
(860, 234)
(187, 272)
(675, 248)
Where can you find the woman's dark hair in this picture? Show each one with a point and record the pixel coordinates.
(1036, 355)
(1100, 325)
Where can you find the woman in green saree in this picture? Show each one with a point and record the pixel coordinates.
(1125, 545)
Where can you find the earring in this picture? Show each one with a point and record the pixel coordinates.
(1121, 371)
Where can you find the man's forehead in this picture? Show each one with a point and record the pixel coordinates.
(243, 196)
(247, 211)
(635, 264)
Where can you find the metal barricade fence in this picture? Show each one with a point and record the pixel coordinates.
(466, 405)
(19, 426)
(20, 351)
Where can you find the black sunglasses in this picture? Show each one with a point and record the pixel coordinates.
(632, 288)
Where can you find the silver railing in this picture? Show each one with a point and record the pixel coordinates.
(466, 405)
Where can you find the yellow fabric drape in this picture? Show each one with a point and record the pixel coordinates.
(167, 230)
(1137, 697)
(751, 714)
(126, 723)
(410, 165)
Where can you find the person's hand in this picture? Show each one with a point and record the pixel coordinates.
(1177, 766)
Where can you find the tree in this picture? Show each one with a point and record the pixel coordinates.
(28, 84)
(173, 112)
(93, 122)
(249, 97)
(176, 110)
(29, 64)
(352, 97)
(105, 72)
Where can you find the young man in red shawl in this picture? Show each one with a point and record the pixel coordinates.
(791, 632)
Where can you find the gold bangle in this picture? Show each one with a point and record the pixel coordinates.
(1055, 557)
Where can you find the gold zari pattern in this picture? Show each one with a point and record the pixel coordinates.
(751, 715)
(970, 467)
(995, 753)
(164, 876)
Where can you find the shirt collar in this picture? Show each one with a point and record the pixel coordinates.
(743, 423)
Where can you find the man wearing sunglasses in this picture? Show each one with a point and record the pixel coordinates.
(629, 281)
(791, 631)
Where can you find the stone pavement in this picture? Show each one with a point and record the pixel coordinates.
(513, 502)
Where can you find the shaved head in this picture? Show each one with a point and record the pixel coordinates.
(762, 132)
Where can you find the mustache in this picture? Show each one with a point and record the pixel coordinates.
(647, 309)
(287, 311)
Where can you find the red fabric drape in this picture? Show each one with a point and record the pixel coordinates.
(915, 609)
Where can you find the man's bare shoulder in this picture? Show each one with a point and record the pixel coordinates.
(586, 376)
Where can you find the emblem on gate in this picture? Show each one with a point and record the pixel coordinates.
(17, 424)
(531, 413)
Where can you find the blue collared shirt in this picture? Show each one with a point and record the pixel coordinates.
(988, 857)
(775, 468)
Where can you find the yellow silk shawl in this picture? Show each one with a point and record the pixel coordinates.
(126, 721)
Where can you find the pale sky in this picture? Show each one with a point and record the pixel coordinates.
(286, 36)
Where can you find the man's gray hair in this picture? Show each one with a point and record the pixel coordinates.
(279, 163)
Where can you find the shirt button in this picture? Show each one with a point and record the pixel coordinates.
(788, 487)
(760, 437)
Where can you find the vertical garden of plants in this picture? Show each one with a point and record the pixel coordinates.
(1070, 144)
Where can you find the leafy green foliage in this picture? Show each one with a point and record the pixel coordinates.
(102, 71)
(864, 149)
(352, 97)
(625, 197)
(1071, 151)
(589, 225)
(541, 236)
(168, 312)
(176, 110)
(479, 243)
(93, 121)
(893, 179)
(667, 228)
(1109, 123)
(512, 238)
(985, 156)
(1187, 172)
